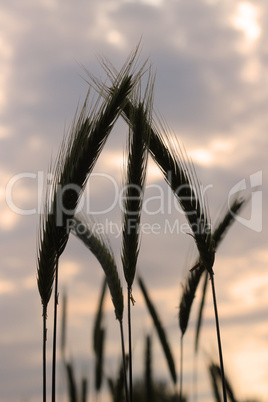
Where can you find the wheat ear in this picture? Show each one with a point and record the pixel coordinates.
(193, 279)
(139, 137)
(76, 159)
(179, 174)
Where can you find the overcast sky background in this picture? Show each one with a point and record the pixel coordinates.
(211, 60)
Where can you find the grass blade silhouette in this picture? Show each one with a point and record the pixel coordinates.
(217, 373)
(160, 331)
(98, 339)
(84, 388)
(214, 383)
(99, 246)
(72, 387)
(148, 386)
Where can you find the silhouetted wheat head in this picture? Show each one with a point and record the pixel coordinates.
(76, 159)
(194, 276)
(139, 138)
(179, 173)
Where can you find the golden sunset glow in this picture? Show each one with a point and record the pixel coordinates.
(246, 20)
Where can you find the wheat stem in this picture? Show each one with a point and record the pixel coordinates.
(181, 368)
(44, 352)
(148, 370)
(200, 313)
(130, 344)
(64, 325)
(218, 338)
(54, 348)
(124, 361)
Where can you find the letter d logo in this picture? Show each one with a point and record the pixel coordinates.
(255, 220)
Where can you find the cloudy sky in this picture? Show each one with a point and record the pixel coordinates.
(211, 59)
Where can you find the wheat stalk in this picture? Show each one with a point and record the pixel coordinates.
(77, 157)
(193, 280)
(138, 141)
